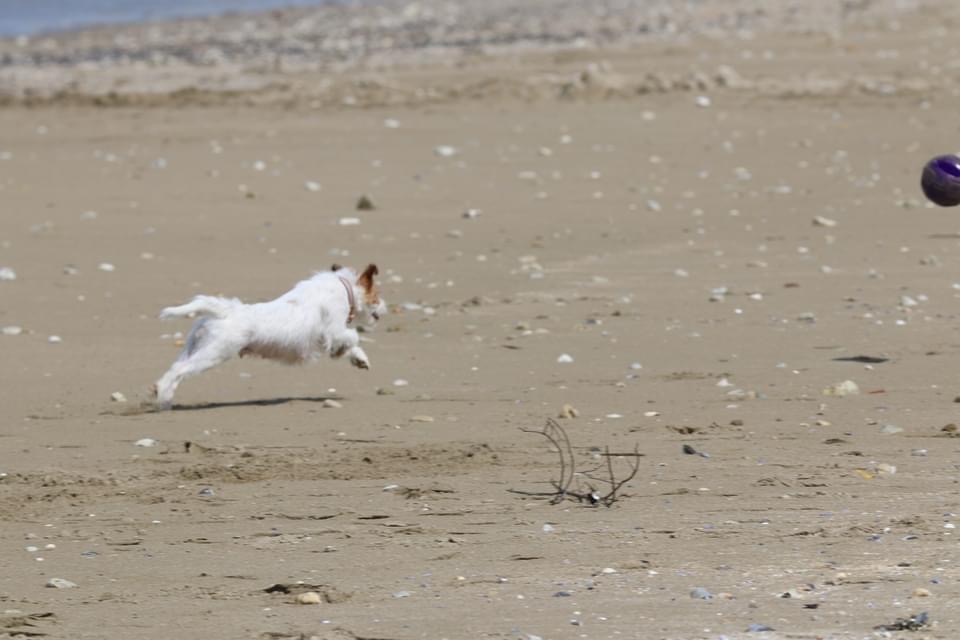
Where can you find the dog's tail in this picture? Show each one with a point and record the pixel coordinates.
(212, 306)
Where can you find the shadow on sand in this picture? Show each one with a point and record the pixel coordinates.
(148, 407)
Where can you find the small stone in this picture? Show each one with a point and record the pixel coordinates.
(309, 597)
(348, 222)
(60, 583)
(402, 594)
(565, 358)
(701, 594)
(330, 403)
(548, 528)
(106, 266)
(568, 411)
(471, 214)
(391, 123)
(890, 429)
(145, 442)
(702, 101)
(400, 382)
(759, 628)
(54, 339)
(841, 389)
(949, 428)
(820, 221)
(920, 592)
(12, 330)
(445, 151)
(383, 391)
(421, 419)
(8, 274)
(365, 203)
(885, 469)
(310, 185)
(206, 492)
(919, 453)
(609, 570)
(116, 396)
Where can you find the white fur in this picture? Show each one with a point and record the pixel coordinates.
(299, 326)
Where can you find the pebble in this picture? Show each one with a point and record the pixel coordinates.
(890, 429)
(471, 214)
(365, 203)
(701, 594)
(841, 389)
(885, 469)
(106, 266)
(702, 101)
(421, 419)
(565, 358)
(310, 185)
(402, 594)
(758, 628)
(348, 222)
(309, 597)
(145, 442)
(116, 396)
(330, 403)
(920, 592)
(820, 221)
(400, 382)
(6, 273)
(54, 339)
(445, 151)
(547, 528)
(568, 411)
(60, 583)
(919, 453)
(11, 330)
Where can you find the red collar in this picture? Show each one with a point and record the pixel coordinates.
(353, 302)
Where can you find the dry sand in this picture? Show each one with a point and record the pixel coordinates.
(667, 245)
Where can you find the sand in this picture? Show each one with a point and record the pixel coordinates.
(713, 231)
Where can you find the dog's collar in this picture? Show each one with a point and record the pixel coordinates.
(350, 298)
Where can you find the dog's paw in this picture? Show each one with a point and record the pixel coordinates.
(360, 363)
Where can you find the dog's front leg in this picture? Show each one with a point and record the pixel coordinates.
(348, 343)
(358, 358)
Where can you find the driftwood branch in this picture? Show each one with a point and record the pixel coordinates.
(580, 485)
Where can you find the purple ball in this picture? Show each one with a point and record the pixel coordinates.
(941, 180)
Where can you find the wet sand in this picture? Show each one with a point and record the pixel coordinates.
(714, 231)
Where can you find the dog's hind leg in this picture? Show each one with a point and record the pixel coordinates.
(189, 364)
(184, 368)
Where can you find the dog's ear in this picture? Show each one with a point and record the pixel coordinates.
(366, 278)
(335, 267)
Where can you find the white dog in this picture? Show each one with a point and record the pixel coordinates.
(313, 318)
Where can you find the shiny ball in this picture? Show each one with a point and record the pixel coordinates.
(941, 180)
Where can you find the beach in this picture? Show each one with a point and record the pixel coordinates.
(690, 236)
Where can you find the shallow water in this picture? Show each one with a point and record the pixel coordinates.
(27, 17)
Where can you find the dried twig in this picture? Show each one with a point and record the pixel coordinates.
(563, 488)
